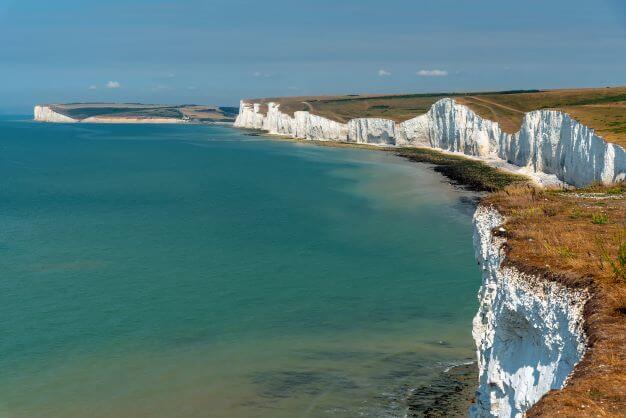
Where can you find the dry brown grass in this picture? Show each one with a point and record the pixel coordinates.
(510, 119)
(574, 237)
(603, 109)
(609, 120)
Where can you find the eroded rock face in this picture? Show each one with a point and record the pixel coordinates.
(528, 330)
(249, 116)
(549, 142)
(453, 127)
(372, 131)
(46, 114)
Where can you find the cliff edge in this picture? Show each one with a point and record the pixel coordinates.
(528, 331)
(551, 314)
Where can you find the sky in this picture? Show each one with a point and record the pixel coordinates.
(219, 51)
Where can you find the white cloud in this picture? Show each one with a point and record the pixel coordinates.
(113, 85)
(383, 73)
(93, 87)
(432, 73)
(260, 74)
(161, 87)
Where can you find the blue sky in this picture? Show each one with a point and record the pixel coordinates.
(217, 51)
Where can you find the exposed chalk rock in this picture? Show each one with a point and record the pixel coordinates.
(372, 131)
(317, 128)
(549, 142)
(528, 330)
(46, 114)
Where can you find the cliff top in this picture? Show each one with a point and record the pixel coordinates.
(602, 109)
(137, 110)
(578, 238)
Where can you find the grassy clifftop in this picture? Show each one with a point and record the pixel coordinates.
(603, 109)
(577, 237)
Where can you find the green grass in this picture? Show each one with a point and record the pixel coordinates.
(599, 218)
(618, 265)
(576, 213)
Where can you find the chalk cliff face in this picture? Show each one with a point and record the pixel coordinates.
(46, 114)
(302, 125)
(549, 142)
(528, 330)
(372, 131)
(43, 113)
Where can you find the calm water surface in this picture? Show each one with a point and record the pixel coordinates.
(186, 271)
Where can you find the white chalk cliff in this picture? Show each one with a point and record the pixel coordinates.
(46, 114)
(528, 330)
(549, 142)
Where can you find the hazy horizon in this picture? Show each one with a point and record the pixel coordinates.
(218, 52)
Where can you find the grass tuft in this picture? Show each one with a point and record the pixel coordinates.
(599, 218)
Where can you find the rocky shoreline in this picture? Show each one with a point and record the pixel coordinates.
(451, 394)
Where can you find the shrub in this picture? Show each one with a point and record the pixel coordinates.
(576, 213)
(599, 218)
(618, 265)
(565, 252)
(617, 262)
(549, 211)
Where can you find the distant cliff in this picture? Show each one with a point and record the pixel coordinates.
(132, 113)
(549, 143)
(46, 114)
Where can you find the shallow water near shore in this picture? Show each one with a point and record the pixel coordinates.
(197, 271)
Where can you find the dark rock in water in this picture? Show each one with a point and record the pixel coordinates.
(471, 201)
(449, 395)
(254, 132)
(292, 383)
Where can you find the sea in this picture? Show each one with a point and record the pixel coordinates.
(201, 271)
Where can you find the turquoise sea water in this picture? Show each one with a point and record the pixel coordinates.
(191, 271)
